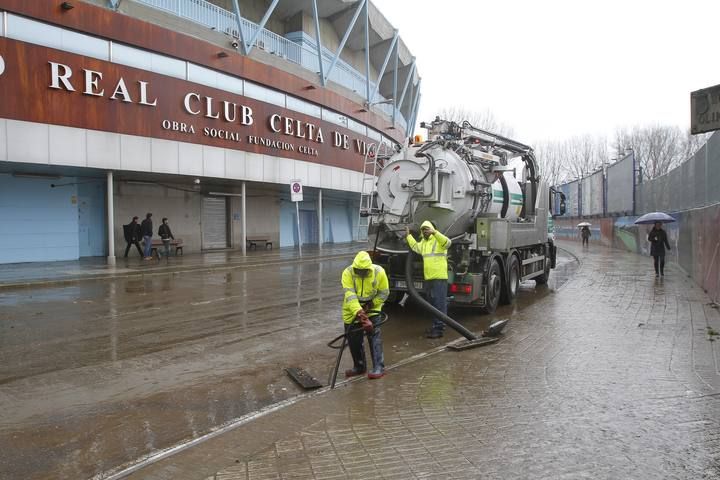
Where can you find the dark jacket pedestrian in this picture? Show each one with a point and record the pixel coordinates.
(164, 231)
(132, 233)
(165, 235)
(147, 231)
(658, 243)
(585, 234)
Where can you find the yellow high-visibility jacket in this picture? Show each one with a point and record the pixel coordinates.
(434, 253)
(373, 289)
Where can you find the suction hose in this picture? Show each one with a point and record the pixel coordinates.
(428, 307)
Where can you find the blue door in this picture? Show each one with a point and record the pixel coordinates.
(92, 226)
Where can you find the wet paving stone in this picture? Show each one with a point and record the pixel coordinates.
(611, 377)
(102, 372)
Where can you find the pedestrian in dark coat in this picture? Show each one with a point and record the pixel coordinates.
(147, 232)
(132, 234)
(658, 242)
(585, 234)
(165, 235)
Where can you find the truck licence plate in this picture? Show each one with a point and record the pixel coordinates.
(403, 284)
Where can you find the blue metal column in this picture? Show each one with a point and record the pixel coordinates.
(407, 82)
(384, 66)
(238, 19)
(413, 118)
(263, 22)
(318, 43)
(395, 78)
(367, 51)
(344, 40)
(414, 105)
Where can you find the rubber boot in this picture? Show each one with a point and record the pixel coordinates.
(355, 342)
(376, 350)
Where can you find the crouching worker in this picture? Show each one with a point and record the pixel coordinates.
(366, 288)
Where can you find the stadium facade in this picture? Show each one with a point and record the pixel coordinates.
(199, 111)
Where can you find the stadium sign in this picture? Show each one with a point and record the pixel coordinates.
(705, 110)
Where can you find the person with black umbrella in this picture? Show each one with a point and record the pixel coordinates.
(658, 242)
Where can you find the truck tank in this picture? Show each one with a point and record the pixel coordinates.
(458, 175)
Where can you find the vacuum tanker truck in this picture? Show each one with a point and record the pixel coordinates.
(480, 189)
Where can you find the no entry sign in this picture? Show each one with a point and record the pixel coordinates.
(296, 194)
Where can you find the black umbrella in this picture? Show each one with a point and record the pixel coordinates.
(654, 217)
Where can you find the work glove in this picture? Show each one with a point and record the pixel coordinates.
(365, 321)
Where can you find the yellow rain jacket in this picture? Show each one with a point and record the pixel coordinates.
(434, 253)
(360, 290)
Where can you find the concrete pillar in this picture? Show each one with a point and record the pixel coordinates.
(321, 234)
(244, 220)
(110, 219)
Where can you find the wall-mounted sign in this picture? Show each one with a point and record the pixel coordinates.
(296, 193)
(61, 88)
(705, 110)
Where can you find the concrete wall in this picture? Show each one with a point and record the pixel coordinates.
(184, 213)
(694, 238)
(39, 143)
(183, 210)
(330, 39)
(263, 216)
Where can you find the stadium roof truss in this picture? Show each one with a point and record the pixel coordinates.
(360, 26)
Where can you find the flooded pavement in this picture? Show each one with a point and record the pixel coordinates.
(617, 375)
(97, 374)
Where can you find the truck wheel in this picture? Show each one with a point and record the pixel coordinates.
(510, 290)
(494, 287)
(543, 279)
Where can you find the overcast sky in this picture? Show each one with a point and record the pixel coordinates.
(553, 69)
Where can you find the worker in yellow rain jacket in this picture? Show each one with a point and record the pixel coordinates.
(433, 248)
(366, 288)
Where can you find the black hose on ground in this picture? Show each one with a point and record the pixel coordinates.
(428, 307)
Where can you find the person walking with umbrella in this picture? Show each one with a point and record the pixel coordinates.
(658, 242)
(657, 238)
(585, 234)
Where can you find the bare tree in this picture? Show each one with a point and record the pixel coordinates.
(658, 148)
(485, 120)
(584, 154)
(551, 160)
(575, 157)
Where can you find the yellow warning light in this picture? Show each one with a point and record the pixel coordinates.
(418, 139)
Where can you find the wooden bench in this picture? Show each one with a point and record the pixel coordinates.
(158, 244)
(253, 242)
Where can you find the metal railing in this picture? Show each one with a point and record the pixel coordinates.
(221, 20)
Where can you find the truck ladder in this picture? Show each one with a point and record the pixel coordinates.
(373, 161)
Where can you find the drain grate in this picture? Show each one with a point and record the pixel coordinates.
(303, 378)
